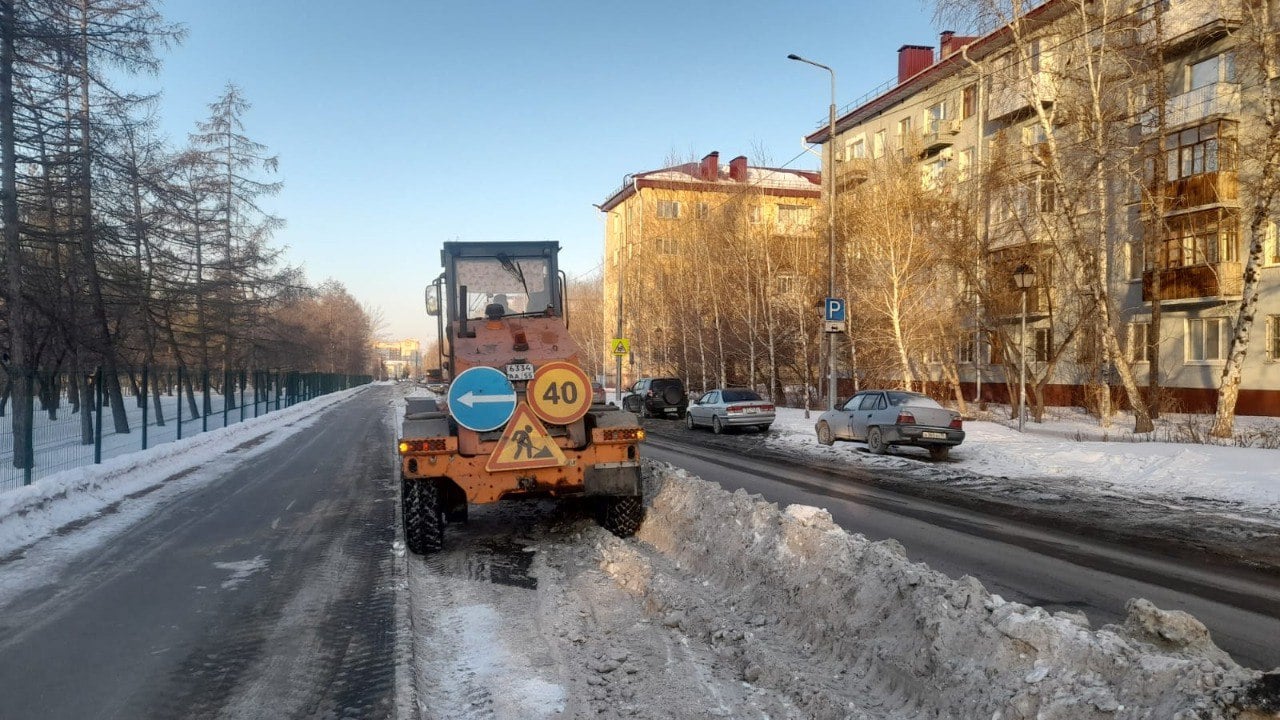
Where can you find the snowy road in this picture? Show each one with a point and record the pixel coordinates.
(267, 592)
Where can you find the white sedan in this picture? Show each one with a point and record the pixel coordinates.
(725, 408)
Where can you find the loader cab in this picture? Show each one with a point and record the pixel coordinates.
(484, 280)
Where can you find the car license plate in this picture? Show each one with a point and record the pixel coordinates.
(521, 371)
(752, 411)
(934, 435)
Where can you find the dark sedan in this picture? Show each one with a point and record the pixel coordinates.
(885, 418)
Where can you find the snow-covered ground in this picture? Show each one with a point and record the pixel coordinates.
(1072, 447)
(728, 606)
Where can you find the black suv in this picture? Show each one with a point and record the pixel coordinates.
(652, 397)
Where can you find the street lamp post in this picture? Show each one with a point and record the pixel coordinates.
(1024, 277)
(831, 225)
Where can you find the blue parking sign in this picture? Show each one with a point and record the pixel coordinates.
(834, 310)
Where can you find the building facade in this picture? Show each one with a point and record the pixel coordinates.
(399, 359)
(702, 264)
(1114, 155)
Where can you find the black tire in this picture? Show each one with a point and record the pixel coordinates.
(825, 436)
(875, 441)
(672, 395)
(764, 428)
(939, 452)
(621, 515)
(716, 426)
(688, 421)
(423, 523)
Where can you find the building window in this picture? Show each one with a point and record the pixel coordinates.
(877, 145)
(1219, 68)
(1270, 245)
(964, 351)
(1273, 337)
(1139, 337)
(1191, 152)
(669, 209)
(1048, 194)
(754, 215)
(934, 173)
(936, 115)
(1206, 340)
(964, 163)
(968, 102)
(702, 211)
(1042, 344)
(793, 215)
(904, 131)
(785, 284)
(857, 149)
(666, 246)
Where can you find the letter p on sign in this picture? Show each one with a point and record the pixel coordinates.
(834, 310)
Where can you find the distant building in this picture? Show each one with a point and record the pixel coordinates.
(666, 228)
(399, 358)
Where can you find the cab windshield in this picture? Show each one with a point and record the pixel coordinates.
(520, 285)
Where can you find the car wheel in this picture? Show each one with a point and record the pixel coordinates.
(764, 428)
(824, 434)
(875, 441)
(688, 421)
(716, 426)
(939, 452)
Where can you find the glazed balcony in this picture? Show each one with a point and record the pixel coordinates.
(1220, 99)
(1213, 281)
(1186, 23)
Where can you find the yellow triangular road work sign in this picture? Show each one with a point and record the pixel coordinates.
(525, 444)
(620, 346)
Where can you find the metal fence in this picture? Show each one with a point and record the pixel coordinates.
(74, 422)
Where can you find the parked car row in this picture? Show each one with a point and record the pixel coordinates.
(883, 419)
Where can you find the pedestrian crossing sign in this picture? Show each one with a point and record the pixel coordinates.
(620, 346)
(525, 444)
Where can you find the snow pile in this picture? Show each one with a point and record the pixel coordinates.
(913, 642)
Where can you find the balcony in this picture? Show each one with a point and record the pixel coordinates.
(1212, 188)
(1190, 22)
(1218, 99)
(938, 135)
(1012, 95)
(1216, 281)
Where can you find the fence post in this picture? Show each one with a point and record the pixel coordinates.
(145, 379)
(180, 399)
(226, 394)
(29, 462)
(97, 425)
(257, 390)
(204, 401)
(240, 375)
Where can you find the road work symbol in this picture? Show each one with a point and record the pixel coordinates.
(525, 444)
(620, 346)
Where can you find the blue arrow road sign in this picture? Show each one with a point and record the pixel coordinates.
(834, 310)
(482, 399)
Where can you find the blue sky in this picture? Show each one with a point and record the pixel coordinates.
(401, 123)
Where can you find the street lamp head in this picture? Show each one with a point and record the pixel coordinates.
(794, 56)
(1024, 276)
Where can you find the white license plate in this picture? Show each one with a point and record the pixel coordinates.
(752, 411)
(522, 371)
(934, 435)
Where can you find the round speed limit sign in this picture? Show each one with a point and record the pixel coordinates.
(559, 393)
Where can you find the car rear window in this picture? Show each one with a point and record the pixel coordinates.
(666, 383)
(739, 395)
(897, 399)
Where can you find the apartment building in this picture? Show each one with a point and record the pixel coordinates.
(680, 242)
(998, 118)
(399, 358)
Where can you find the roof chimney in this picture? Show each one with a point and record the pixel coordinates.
(738, 169)
(912, 59)
(952, 43)
(710, 168)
